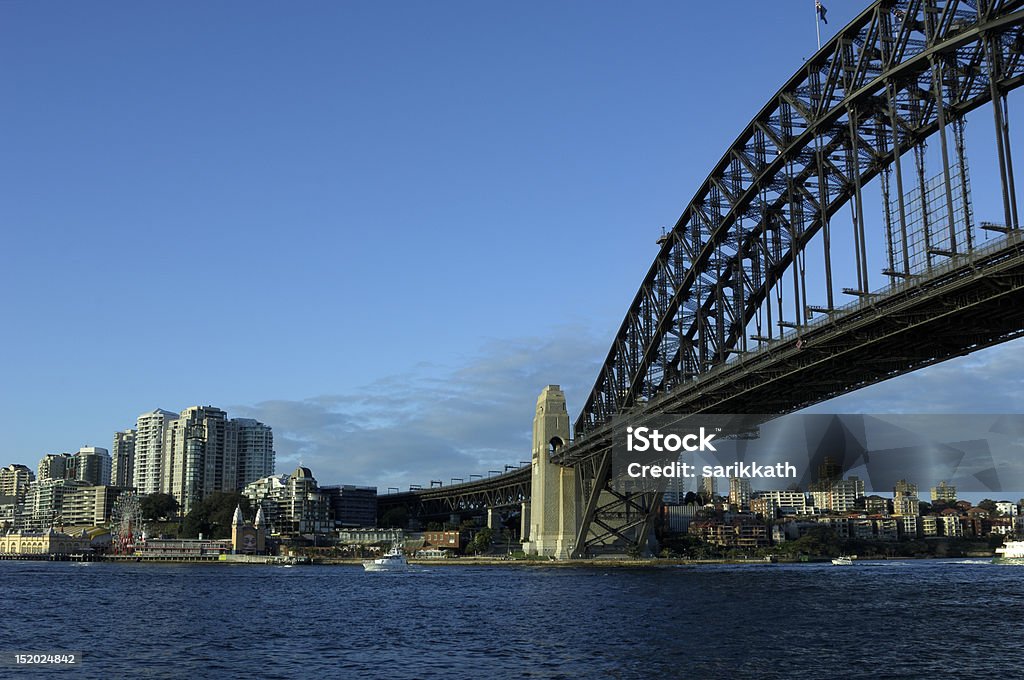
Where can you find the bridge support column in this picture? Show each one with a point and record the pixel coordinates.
(524, 522)
(552, 520)
(493, 519)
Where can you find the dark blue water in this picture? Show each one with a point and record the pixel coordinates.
(876, 619)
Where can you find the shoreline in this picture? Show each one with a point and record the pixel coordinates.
(617, 563)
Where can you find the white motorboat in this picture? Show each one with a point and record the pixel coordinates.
(843, 561)
(1010, 552)
(392, 560)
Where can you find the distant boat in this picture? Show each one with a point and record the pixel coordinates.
(393, 560)
(843, 561)
(1010, 552)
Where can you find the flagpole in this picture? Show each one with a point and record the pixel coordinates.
(817, 23)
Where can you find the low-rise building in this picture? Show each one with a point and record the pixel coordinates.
(737, 533)
(49, 542)
(1007, 508)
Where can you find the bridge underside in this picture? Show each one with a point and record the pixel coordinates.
(976, 300)
(505, 491)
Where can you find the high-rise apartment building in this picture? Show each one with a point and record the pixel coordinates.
(14, 480)
(204, 452)
(944, 491)
(739, 492)
(122, 472)
(192, 454)
(707, 489)
(905, 500)
(92, 465)
(200, 454)
(56, 466)
(255, 450)
(149, 442)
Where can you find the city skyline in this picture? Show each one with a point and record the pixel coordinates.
(378, 246)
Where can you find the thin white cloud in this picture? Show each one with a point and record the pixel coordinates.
(436, 423)
(432, 423)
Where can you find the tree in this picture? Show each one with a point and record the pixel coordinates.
(158, 506)
(213, 515)
(989, 505)
(481, 542)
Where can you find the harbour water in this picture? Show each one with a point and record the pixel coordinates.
(905, 619)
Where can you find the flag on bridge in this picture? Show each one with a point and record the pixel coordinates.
(821, 10)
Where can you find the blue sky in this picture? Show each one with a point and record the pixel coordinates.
(381, 228)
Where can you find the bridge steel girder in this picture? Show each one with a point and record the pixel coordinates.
(508, 490)
(897, 74)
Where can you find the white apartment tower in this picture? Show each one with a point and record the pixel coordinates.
(255, 450)
(149, 441)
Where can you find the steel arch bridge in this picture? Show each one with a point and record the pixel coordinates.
(899, 73)
(740, 312)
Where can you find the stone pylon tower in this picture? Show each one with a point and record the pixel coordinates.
(552, 509)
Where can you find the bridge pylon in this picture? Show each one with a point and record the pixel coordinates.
(551, 529)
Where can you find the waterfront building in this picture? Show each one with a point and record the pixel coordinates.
(303, 508)
(48, 542)
(182, 549)
(292, 504)
(1005, 508)
(447, 540)
(14, 480)
(771, 503)
(930, 526)
(877, 505)
(905, 500)
(370, 536)
(1002, 526)
(149, 442)
(352, 506)
(888, 528)
(861, 527)
(944, 491)
(248, 539)
(123, 459)
(837, 495)
(676, 518)
(909, 526)
(92, 465)
(951, 526)
(737, 533)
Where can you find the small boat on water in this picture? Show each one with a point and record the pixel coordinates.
(1010, 552)
(843, 561)
(393, 560)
